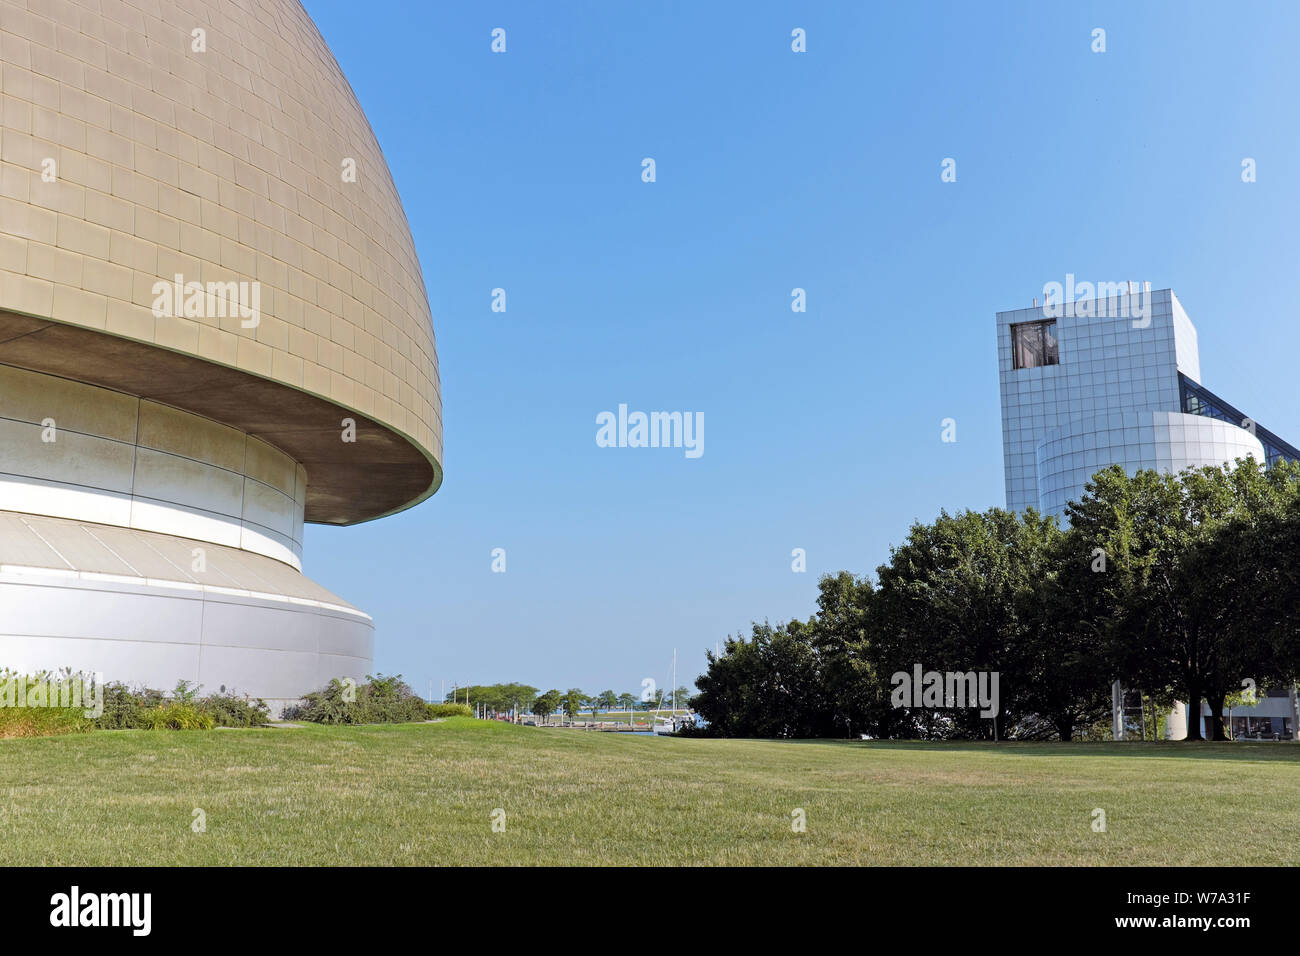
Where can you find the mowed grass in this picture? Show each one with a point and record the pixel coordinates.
(425, 794)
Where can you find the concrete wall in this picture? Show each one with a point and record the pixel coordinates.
(156, 633)
(225, 164)
(118, 460)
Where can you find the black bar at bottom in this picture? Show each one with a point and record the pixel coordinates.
(262, 906)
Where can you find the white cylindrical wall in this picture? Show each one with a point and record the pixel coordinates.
(154, 634)
(1166, 442)
(140, 607)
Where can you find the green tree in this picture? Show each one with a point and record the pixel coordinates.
(573, 701)
(1063, 616)
(1180, 586)
(949, 600)
(1193, 581)
(680, 698)
(627, 701)
(518, 697)
(546, 704)
(608, 699)
(841, 637)
(766, 686)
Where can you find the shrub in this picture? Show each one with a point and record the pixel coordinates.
(19, 719)
(231, 710)
(697, 730)
(381, 700)
(129, 708)
(449, 710)
(175, 715)
(145, 708)
(124, 707)
(390, 700)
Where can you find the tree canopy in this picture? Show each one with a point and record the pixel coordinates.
(1181, 586)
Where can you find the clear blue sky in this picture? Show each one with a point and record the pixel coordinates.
(775, 170)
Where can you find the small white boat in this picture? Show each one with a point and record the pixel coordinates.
(666, 725)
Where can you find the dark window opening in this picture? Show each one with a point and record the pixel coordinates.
(1034, 344)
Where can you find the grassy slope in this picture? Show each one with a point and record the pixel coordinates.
(424, 794)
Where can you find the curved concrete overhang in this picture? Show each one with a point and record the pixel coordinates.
(383, 471)
(37, 544)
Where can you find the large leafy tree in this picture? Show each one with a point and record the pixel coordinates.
(497, 698)
(546, 704)
(1063, 618)
(1240, 580)
(573, 701)
(949, 599)
(969, 592)
(767, 686)
(517, 696)
(1180, 585)
(1193, 578)
(1277, 589)
(840, 634)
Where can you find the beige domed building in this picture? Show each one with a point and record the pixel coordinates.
(213, 328)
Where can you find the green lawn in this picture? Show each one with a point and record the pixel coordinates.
(425, 793)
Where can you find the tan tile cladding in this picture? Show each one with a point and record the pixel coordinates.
(224, 165)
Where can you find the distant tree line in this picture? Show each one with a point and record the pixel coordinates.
(1182, 586)
(519, 699)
